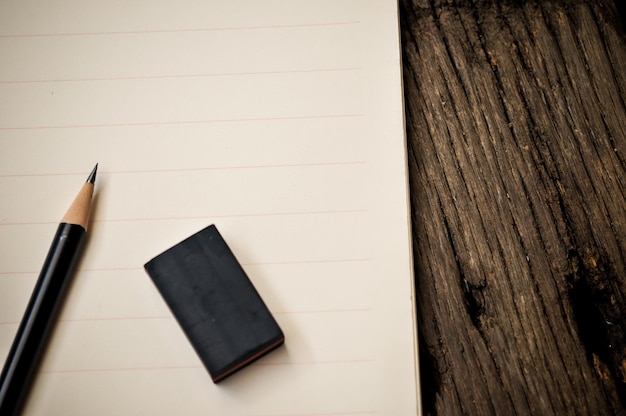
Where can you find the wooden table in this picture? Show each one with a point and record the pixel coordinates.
(516, 130)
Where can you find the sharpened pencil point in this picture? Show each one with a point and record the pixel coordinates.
(92, 176)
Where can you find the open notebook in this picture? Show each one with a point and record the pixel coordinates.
(279, 121)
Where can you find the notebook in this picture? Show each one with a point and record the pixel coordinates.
(281, 122)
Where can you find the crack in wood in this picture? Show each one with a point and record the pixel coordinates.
(600, 317)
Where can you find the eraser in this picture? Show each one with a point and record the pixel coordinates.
(215, 303)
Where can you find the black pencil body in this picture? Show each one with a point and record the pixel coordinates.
(37, 321)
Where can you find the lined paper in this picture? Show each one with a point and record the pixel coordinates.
(279, 121)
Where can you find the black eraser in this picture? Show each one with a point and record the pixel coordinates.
(215, 303)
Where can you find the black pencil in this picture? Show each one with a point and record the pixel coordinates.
(36, 323)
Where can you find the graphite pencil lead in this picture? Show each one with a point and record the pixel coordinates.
(92, 176)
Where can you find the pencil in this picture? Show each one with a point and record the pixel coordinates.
(37, 321)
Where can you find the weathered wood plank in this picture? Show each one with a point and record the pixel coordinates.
(517, 153)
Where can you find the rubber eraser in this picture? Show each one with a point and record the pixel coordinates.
(215, 303)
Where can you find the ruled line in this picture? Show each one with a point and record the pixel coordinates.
(171, 317)
(106, 369)
(245, 215)
(189, 367)
(198, 217)
(191, 30)
(235, 167)
(346, 413)
(326, 362)
(320, 261)
(183, 122)
(193, 169)
(325, 311)
(118, 318)
(34, 272)
(185, 76)
(7, 274)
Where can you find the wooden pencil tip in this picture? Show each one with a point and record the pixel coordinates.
(78, 212)
(92, 176)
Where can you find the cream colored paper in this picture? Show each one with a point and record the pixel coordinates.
(279, 121)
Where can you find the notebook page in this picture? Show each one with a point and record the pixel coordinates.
(278, 121)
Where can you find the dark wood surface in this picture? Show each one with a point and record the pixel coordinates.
(516, 120)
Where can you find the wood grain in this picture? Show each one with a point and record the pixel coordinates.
(516, 116)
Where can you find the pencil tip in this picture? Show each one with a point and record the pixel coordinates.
(92, 176)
